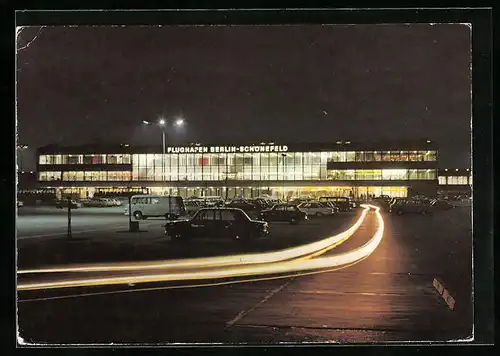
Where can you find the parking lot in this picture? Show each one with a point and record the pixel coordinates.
(389, 296)
(101, 234)
(415, 286)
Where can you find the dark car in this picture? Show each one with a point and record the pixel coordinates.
(343, 203)
(383, 202)
(242, 204)
(228, 223)
(411, 206)
(284, 212)
(331, 205)
(64, 204)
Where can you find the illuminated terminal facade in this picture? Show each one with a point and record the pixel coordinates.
(338, 168)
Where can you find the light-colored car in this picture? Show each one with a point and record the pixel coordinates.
(112, 202)
(315, 209)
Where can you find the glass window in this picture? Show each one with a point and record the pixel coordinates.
(430, 156)
(42, 159)
(386, 156)
(337, 156)
(368, 174)
(87, 159)
(453, 180)
(227, 215)
(394, 174)
(275, 159)
(98, 159)
(413, 156)
(126, 159)
(395, 156)
(72, 176)
(421, 155)
(350, 156)
(205, 215)
(113, 159)
(368, 156)
(70, 159)
(264, 159)
(49, 176)
(377, 155)
(462, 180)
(442, 180)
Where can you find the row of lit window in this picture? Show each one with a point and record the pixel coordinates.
(455, 180)
(85, 176)
(86, 159)
(382, 174)
(316, 173)
(264, 158)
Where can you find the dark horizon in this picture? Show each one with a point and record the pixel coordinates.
(246, 83)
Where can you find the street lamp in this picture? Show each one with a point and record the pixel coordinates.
(162, 123)
(283, 186)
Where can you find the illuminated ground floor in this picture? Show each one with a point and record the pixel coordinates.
(285, 191)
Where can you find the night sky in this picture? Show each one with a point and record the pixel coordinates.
(246, 83)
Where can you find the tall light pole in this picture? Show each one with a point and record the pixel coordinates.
(283, 186)
(162, 123)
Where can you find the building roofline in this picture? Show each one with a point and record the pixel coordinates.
(344, 145)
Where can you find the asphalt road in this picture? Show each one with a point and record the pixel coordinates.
(44, 221)
(387, 297)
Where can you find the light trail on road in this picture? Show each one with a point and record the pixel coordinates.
(274, 268)
(209, 262)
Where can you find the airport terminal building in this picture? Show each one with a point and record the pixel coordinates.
(339, 168)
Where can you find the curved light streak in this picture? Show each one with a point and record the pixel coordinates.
(206, 262)
(263, 269)
(187, 286)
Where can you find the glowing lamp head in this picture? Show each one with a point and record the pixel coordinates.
(179, 122)
(161, 122)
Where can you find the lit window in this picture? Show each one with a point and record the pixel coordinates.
(42, 159)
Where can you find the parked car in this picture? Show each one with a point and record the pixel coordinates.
(442, 205)
(228, 223)
(260, 204)
(332, 205)
(382, 202)
(94, 202)
(411, 206)
(315, 209)
(394, 201)
(111, 202)
(64, 204)
(242, 204)
(343, 203)
(192, 206)
(284, 212)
